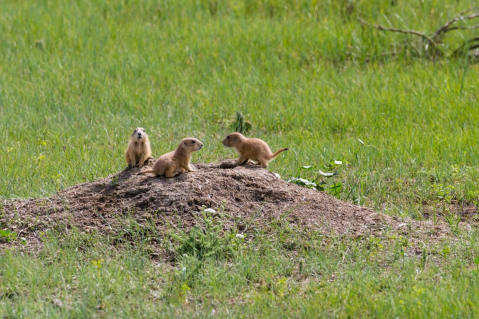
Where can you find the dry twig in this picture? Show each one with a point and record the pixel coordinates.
(435, 38)
(380, 27)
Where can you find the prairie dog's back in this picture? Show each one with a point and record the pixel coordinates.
(255, 147)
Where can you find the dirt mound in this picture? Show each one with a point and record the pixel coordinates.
(246, 195)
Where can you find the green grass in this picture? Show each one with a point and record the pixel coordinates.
(76, 77)
(285, 275)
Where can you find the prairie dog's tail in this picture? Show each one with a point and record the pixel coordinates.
(148, 171)
(279, 151)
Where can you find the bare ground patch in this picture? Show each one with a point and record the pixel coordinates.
(247, 195)
(465, 211)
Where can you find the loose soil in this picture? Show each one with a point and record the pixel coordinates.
(246, 197)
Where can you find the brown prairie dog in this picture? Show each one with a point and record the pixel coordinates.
(176, 162)
(251, 149)
(139, 149)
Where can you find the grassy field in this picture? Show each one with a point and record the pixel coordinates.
(76, 77)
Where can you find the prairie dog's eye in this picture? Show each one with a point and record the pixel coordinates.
(193, 142)
(143, 130)
(228, 137)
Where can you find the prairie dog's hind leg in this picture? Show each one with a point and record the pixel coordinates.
(172, 172)
(263, 162)
(241, 160)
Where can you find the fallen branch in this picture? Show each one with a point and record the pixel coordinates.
(380, 27)
(435, 38)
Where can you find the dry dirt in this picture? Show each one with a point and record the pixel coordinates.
(246, 196)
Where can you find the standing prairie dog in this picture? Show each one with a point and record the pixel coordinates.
(139, 149)
(176, 162)
(250, 149)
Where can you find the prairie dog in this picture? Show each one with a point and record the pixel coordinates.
(176, 162)
(250, 149)
(139, 149)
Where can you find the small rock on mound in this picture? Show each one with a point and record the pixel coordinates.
(246, 193)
